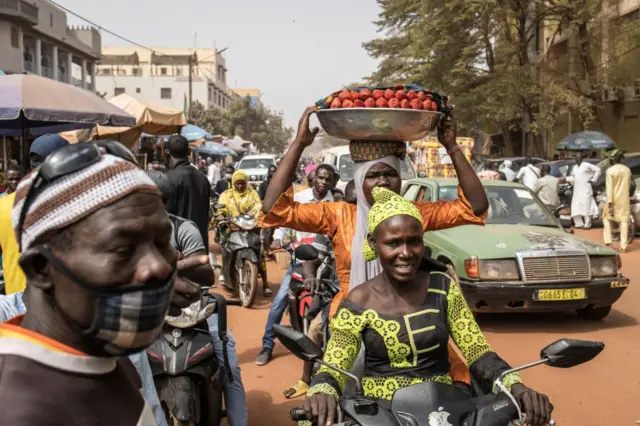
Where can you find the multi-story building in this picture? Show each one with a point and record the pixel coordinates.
(161, 75)
(254, 94)
(619, 112)
(35, 38)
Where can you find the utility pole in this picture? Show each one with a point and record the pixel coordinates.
(190, 86)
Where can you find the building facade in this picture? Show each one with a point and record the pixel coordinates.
(161, 75)
(254, 94)
(619, 109)
(35, 38)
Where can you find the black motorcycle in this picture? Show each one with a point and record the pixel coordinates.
(184, 365)
(432, 403)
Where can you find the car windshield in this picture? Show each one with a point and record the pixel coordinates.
(256, 163)
(509, 206)
(346, 168)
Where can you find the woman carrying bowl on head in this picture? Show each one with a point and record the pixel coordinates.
(404, 318)
(376, 164)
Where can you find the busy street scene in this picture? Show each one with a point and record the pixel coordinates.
(255, 214)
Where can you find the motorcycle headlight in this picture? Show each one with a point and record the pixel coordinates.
(604, 266)
(498, 270)
(253, 177)
(245, 222)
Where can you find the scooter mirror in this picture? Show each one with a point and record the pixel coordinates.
(297, 343)
(306, 252)
(219, 206)
(567, 353)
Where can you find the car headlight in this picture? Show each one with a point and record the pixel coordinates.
(253, 177)
(604, 266)
(506, 270)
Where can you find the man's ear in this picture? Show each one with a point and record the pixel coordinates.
(37, 268)
(371, 241)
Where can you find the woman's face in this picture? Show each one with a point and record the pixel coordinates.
(399, 245)
(381, 174)
(240, 185)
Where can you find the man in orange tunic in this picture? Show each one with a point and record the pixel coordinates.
(375, 164)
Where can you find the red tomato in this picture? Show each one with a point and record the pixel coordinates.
(377, 94)
(370, 103)
(344, 95)
(401, 94)
(382, 103)
(426, 105)
(389, 94)
(394, 103)
(405, 104)
(434, 106)
(428, 96)
(358, 104)
(411, 95)
(416, 104)
(348, 103)
(364, 94)
(336, 103)
(421, 96)
(354, 95)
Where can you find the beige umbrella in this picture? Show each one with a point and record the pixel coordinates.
(151, 118)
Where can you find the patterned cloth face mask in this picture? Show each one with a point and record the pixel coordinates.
(127, 319)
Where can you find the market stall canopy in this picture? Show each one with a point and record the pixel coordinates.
(237, 145)
(586, 141)
(150, 118)
(213, 148)
(194, 133)
(31, 105)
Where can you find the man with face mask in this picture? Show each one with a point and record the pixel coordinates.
(225, 182)
(100, 284)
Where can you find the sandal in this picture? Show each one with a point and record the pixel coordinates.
(267, 292)
(298, 389)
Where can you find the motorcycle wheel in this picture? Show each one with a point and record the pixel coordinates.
(249, 284)
(632, 229)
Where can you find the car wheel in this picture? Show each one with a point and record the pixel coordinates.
(591, 313)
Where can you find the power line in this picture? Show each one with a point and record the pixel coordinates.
(106, 30)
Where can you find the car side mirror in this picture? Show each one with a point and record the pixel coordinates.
(567, 353)
(297, 343)
(306, 252)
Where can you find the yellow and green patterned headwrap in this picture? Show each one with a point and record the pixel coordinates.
(387, 204)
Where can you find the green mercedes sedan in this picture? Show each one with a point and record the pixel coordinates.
(523, 259)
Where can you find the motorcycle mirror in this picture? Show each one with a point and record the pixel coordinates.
(306, 252)
(219, 206)
(297, 343)
(567, 353)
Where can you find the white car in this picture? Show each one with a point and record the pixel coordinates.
(340, 158)
(256, 167)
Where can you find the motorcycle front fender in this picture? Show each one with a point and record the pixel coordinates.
(180, 394)
(246, 254)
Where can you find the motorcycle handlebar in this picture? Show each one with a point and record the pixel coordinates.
(298, 414)
(234, 302)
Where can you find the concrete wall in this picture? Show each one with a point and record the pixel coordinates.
(10, 58)
(150, 89)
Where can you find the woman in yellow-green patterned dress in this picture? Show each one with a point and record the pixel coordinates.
(404, 317)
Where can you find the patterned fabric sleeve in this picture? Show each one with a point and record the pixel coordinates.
(447, 214)
(254, 203)
(342, 350)
(485, 365)
(319, 218)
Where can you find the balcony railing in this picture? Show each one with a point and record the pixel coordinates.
(47, 72)
(29, 66)
(19, 9)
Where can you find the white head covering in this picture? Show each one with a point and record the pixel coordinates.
(362, 270)
(507, 164)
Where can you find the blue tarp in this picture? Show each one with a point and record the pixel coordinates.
(194, 133)
(213, 148)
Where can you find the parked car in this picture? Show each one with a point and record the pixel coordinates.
(256, 167)
(522, 260)
(340, 158)
(563, 168)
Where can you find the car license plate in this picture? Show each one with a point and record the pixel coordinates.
(552, 295)
(619, 284)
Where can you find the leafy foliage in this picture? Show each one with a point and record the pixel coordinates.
(492, 58)
(256, 123)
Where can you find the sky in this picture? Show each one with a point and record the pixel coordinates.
(295, 52)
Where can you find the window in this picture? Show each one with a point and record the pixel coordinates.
(118, 91)
(163, 71)
(165, 93)
(122, 72)
(178, 71)
(138, 90)
(15, 42)
(51, 20)
(136, 71)
(105, 71)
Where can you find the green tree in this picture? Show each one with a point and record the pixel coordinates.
(213, 120)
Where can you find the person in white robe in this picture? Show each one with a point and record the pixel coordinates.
(583, 204)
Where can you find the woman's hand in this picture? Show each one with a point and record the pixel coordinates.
(535, 406)
(447, 131)
(321, 407)
(305, 135)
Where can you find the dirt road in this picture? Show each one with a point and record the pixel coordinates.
(605, 392)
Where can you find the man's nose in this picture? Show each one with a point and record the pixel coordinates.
(153, 265)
